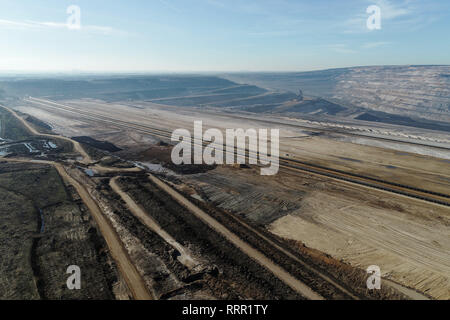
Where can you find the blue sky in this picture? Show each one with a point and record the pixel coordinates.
(220, 35)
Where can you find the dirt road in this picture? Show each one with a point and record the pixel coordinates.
(280, 273)
(132, 277)
(119, 254)
(185, 258)
(86, 158)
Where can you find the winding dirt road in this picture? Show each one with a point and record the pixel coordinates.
(77, 146)
(185, 258)
(119, 253)
(254, 254)
(126, 267)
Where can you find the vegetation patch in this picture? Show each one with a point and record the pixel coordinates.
(11, 128)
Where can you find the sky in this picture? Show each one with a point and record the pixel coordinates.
(219, 35)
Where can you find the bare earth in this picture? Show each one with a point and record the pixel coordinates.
(295, 284)
(185, 257)
(407, 238)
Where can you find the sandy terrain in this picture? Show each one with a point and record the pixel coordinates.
(409, 251)
(412, 169)
(407, 238)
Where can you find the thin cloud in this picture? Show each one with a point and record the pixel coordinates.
(40, 25)
(215, 3)
(341, 48)
(167, 4)
(15, 24)
(391, 11)
(371, 45)
(279, 33)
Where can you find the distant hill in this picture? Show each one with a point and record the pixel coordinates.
(417, 96)
(115, 88)
(411, 91)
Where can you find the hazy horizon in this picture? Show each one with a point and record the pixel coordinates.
(188, 72)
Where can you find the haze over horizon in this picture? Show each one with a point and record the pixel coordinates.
(220, 36)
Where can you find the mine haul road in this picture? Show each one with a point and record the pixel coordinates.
(133, 279)
(185, 257)
(126, 267)
(131, 275)
(290, 164)
(119, 253)
(254, 254)
(86, 158)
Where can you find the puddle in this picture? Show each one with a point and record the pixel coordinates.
(52, 145)
(90, 172)
(350, 159)
(42, 221)
(153, 167)
(30, 148)
(4, 152)
(198, 197)
(402, 154)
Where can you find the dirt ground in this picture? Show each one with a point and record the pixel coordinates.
(45, 230)
(330, 150)
(407, 238)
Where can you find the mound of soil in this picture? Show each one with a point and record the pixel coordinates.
(161, 153)
(102, 145)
